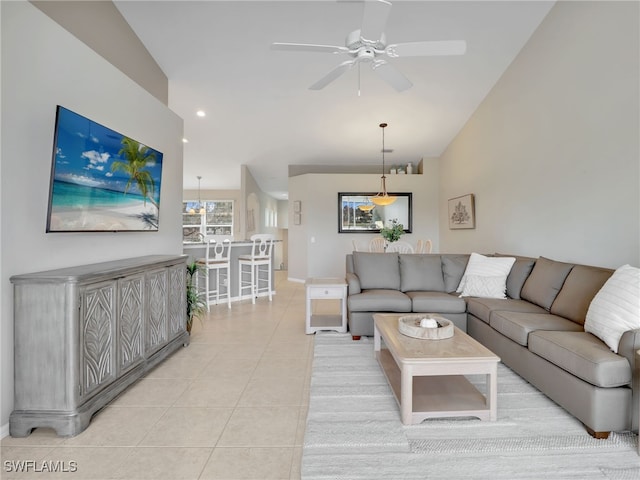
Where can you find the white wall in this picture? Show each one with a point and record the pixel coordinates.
(43, 65)
(316, 249)
(260, 204)
(552, 154)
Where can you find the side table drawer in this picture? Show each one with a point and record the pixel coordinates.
(330, 292)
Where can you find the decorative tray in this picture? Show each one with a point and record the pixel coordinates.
(426, 326)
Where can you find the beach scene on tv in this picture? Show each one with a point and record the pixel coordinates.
(101, 180)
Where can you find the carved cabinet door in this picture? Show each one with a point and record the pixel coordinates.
(130, 349)
(156, 321)
(177, 300)
(97, 336)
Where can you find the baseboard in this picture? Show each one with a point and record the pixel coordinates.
(295, 280)
(4, 430)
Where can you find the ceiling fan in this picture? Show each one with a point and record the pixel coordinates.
(369, 44)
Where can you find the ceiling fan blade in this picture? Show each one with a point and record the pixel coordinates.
(419, 49)
(332, 75)
(391, 75)
(305, 47)
(374, 19)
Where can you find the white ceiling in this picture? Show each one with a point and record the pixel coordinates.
(260, 112)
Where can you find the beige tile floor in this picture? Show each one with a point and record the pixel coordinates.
(231, 405)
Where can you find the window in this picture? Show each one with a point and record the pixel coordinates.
(217, 219)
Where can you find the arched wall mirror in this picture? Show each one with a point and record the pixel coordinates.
(357, 214)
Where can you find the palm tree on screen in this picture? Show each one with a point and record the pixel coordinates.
(137, 157)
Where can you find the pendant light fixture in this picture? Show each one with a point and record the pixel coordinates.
(383, 198)
(366, 208)
(201, 210)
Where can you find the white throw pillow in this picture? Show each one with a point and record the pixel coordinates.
(492, 268)
(616, 307)
(485, 287)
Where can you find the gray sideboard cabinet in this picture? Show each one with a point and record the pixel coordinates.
(83, 334)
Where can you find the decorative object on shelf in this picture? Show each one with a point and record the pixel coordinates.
(425, 326)
(196, 305)
(393, 170)
(409, 168)
(462, 212)
(393, 232)
(382, 197)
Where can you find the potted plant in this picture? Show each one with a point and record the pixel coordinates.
(393, 232)
(196, 305)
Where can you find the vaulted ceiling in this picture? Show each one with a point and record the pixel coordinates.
(260, 111)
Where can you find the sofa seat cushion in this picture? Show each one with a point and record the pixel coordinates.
(436, 302)
(378, 300)
(482, 307)
(518, 325)
(583, 355)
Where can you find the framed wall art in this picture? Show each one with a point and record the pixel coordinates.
(358, 214)
(462, 212)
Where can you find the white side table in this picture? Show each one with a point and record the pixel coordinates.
(324, 289)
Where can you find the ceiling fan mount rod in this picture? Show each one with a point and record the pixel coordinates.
(355, 42)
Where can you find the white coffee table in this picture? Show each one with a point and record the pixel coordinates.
(428, 376)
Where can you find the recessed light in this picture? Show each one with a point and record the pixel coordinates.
(184, 140)
(201, 113)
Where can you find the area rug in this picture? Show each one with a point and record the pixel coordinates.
(354, 430)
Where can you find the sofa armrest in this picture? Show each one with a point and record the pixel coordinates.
(629, 344)
(629, 347)
(353, 283)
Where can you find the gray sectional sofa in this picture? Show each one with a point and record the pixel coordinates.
(538, 330)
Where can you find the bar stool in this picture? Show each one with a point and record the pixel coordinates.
(260, 256)
(216, 259)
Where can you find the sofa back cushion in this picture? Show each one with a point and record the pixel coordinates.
(545, 281)
(421, 273)
(453, 267)
(377, 270)
(581, 285)
(519, 273)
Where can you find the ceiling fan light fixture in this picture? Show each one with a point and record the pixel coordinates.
(382, 198)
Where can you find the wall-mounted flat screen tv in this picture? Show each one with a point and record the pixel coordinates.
(101, 180)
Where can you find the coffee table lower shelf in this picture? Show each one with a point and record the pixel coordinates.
(436, 396)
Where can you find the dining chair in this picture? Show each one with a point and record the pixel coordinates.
(357, 247)
(423, 246)
(377, 244)
(400, 246)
